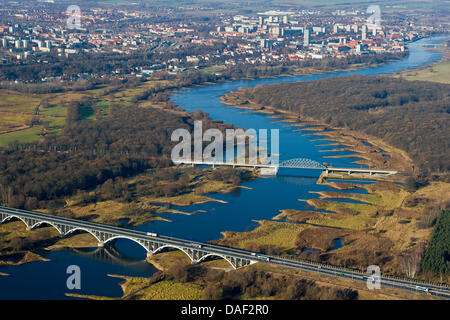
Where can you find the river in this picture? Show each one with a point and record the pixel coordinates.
(263, 200)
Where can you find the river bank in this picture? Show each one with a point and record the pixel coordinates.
(375, 152)
(112, 212)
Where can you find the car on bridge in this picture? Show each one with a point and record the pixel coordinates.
(263, 258)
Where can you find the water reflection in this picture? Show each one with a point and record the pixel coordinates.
(108, 254)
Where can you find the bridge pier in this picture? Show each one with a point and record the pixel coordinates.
(101, 244)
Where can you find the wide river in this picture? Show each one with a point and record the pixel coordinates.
(263, 200)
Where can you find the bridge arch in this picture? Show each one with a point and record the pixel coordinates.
(173, 247)
(15, 217)
(82, 229)
(302, 163)
(37, 224)
(128, 238)
(216, 255)
(31, 226)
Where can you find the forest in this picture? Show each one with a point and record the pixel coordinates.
(247, 283)
(437, 254)
(411, 115)
(129, 141)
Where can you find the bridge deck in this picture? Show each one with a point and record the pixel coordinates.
(237, 257)
(281, 165)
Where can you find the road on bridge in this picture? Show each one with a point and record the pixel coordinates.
(438, 290)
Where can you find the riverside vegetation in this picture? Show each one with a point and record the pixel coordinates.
(410, 115)
(118, 174)
(390, 225)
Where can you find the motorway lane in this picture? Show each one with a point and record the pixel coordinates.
(237, 253)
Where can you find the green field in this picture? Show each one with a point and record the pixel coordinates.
(21, 136)
(17, 118)
(17, 110)
(439, 72)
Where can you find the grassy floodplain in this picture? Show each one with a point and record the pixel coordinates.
(437, 72)
(18, 109)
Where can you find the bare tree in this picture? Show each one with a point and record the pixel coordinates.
(410, 264)
(6, 193)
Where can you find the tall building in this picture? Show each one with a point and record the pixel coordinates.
(25, 43)
(276, 31)
(266, 44)
(364, 32)
(307, 37)
(261, 21)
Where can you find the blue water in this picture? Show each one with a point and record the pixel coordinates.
(46, 280)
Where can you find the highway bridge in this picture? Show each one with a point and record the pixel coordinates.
(299, 163)
(198, 251)
(103, 233)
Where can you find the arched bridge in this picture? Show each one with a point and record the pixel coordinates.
(198, 252)
(151, 242)
(301, 163)
(298, 163)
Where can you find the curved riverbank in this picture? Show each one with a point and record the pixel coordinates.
(375, 152)
(263, 201)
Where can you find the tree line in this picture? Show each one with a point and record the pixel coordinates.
(410, 115)
(437, 253)
(88, 153)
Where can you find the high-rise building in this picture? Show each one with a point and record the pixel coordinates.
(364, 32)
(307, 37)
(276, 31)
(261, 20)
(266, 44)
